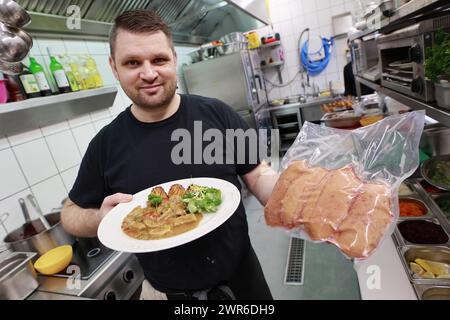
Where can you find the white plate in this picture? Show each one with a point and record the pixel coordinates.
(111, 235)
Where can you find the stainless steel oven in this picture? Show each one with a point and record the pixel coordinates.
(403, 54)
(365, 57)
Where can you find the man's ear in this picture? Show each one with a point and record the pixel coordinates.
(112, 63)
(175, 56)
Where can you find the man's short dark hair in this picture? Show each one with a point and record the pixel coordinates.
(138, 21)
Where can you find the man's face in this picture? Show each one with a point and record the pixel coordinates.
(145, 65)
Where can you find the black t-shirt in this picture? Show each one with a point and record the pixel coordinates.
(350, 85)
(128, 156)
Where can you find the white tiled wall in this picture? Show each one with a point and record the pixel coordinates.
(289, 18)
(45, 161)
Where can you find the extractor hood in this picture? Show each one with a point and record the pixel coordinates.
(192, 21)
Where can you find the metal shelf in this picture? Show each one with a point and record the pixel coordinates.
(432, 110)
(271, 44)
(30, 114)
(273, 64)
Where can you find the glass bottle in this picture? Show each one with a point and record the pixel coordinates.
(15, 90)
(60, 75)
(74, 67)
(88, 78)
(29, 83)
(65, 63)
(38, 71)
(92, 67)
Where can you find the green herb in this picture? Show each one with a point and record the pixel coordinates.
(202, 199)
(438, 57)
(441, 175)
(155, 200)
(444, 204)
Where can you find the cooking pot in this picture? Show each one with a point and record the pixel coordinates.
(17, 276)
(33, 237)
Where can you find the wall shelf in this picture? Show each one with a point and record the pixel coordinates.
(30, 114)
(432, 110)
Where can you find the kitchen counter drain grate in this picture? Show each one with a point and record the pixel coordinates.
(295, 263)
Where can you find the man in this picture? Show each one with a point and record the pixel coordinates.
(134, 152)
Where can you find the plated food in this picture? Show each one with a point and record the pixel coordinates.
(173, 213)
(112, 235)
(331, 205)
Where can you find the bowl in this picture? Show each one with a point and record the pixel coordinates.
(54, 260)
(14, 44)
(11, 68)
(429, 168)
(13, 14)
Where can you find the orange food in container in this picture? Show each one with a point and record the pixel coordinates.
(411, 208)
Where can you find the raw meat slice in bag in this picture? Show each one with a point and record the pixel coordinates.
(342, 186)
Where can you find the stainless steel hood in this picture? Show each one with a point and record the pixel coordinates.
(192, 21)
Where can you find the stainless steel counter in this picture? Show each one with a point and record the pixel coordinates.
(311, 103)
(118, 278)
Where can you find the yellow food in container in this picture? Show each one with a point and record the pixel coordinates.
(55, 260)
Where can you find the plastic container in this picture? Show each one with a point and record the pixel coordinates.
(443, 94)
(3, 90)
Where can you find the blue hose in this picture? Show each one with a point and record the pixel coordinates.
(314, 68)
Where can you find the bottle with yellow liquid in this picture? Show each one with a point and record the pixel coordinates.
(92, 67)
(87, 76)
(74, 67)
(65, 63)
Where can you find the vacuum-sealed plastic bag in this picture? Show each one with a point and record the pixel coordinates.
(341, 186)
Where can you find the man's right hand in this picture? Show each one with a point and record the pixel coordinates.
(111, 201)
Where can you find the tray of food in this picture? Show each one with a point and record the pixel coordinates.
(338, 105)
(344, 119)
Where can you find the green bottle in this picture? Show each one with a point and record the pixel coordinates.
(38, 72)
(60, 75)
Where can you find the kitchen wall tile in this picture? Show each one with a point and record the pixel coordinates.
(101, 123)
(11, 177)
(55, 128)
(64, 150)
(35, 160)
(105, 69)
(56, 46)
(308, 6)
(296, 8)
(74, 47)
(100, 114)
(83, 135)
(11, 205)
(50, 193)
(97, 47)
(69, 177)
(80, 121)
(118, 105)
(126, 100)
(322, 4)
(25, 137)
(337, 9)
(4, 144)
(35, 48)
